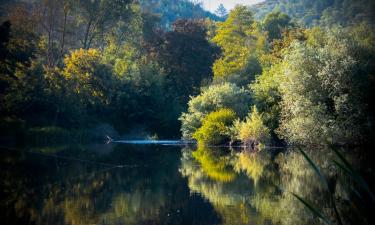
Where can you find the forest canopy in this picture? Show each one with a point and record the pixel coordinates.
(302, 71)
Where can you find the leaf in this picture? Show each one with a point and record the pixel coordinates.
(313, 210)
(358, 178)
(324, 180)
(315, 167)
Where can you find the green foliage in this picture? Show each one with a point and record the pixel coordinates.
(267, 96)
(77, 63)
(322, 92)
(244, 44)
(47, 79)
(215, 127)
(252, 131)
(171, 11)
(320, 12)
(215, 164)
(90, 79)
(187, 57)
(214, 97)
(221, 11)
(235, 37)
(274, 23)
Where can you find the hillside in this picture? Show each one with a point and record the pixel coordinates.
(320, 12)
(171, 10)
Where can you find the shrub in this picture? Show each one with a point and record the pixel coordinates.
(252, 131)
(215, 97)
(216, 127)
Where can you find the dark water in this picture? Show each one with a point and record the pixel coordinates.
(157, 184)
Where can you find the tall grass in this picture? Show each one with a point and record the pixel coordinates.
(360, 186)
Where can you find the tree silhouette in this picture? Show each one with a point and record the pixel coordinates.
(221, 11)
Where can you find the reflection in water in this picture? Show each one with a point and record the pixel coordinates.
(215, 163)
(164, 186)
(263, 196)
(36, 189)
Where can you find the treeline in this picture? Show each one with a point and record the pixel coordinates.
(76, 64)
(320, 12)
(276, 81)
(171, 10)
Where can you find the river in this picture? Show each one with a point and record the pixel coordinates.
(127, 183)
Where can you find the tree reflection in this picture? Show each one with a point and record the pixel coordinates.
(80, 193)
(229, 197)
(260, 185)
(212, 186)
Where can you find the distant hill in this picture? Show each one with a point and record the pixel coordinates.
(168, 10)
(320, 12)
(171, 10)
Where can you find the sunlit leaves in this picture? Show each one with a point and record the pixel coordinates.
(215, 127)
(225, 95)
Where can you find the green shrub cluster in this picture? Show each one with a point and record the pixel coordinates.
(215, 129)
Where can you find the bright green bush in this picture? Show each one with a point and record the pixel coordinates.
(216, 127)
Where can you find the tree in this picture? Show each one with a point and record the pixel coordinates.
(171, 11)
(322, 91)
(88, 77)
(237, 42)
(221, 11)
(274, 23)
(267, 97)
(187, 57)
(54, 23)
(18, 70)
(96, 17)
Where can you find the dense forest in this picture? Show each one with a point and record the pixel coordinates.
(74, 64)
(265, 75)
(320, 12)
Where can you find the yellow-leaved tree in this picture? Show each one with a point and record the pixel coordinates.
(236, 39)
(88, 77)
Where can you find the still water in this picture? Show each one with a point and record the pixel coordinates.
(161, 184)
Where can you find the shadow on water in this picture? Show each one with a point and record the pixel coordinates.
(164, 184)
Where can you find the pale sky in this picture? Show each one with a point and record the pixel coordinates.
(212, 5)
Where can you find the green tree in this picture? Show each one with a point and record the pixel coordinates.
(274, 23)
(322, 91)
(234, 36)
(88, 77)
(96, 17)
(187, 57)
(267, 96)
(221, 11)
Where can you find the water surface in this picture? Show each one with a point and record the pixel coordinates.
(158, 184)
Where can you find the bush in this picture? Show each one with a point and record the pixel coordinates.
(216, 127)
(252, 131)
(215, 97)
